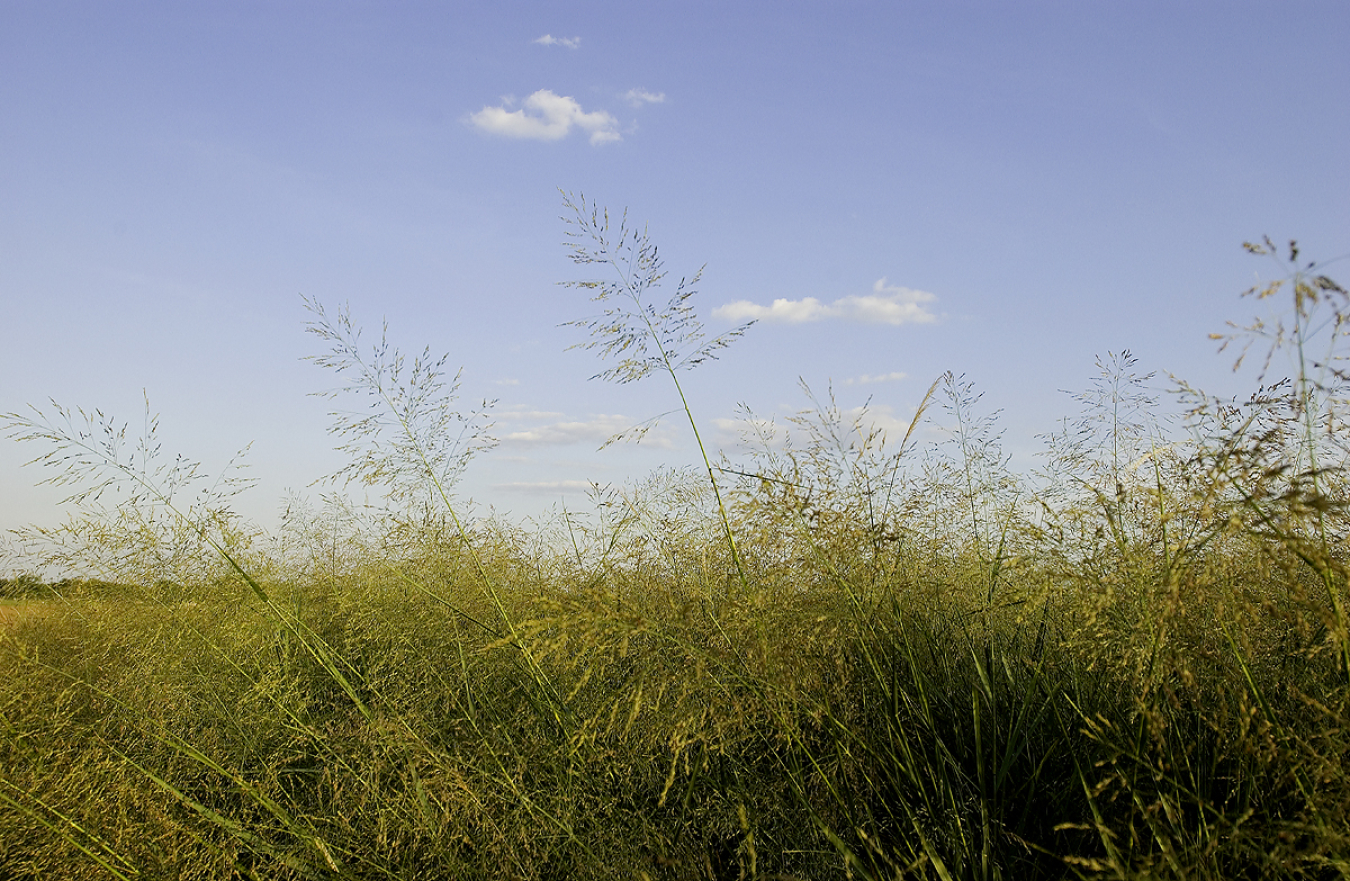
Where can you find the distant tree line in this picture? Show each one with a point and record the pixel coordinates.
(27, 585)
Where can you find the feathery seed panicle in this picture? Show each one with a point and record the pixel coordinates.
(642, 337)
(1133, 667)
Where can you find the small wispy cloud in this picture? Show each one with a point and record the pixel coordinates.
(506, 381)
(546, 486)
(638, 97)
(545, 116)
(596, 430)
(873, 416)
(753, 432)
(867, 379)
(887, 304)
(520, 413)
(758, 433)
(550, 40)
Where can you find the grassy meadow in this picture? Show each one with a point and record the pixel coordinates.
(842, 656)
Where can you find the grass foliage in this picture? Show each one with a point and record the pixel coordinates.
(841, 657)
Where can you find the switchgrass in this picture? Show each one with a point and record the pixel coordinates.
(838, 658)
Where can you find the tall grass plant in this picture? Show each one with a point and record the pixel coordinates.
(845, 656)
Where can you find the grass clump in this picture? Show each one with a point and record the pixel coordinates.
(838, 658)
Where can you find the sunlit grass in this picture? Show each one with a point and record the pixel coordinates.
(838, 658)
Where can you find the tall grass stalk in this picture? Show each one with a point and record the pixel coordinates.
(426, 452)
(630, 327)
(1319, 317)
(89, 450)
(1132, 667)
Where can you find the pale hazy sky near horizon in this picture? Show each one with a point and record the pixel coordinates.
(1005, 190)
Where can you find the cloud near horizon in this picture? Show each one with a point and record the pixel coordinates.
(550, 40)
(638, 97)
(882, 416)
(887, 304)
(596, 430)
(546, 486)
(545, 116)
(856, 422)
(867, 379)
(753, 433)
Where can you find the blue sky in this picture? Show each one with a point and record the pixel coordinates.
(1003, 190)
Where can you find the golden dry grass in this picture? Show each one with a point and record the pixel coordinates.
(14, 611)
(838, 659)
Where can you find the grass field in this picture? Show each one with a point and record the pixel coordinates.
(11, 610)
(841, 658)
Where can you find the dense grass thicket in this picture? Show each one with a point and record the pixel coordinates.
(840, 657)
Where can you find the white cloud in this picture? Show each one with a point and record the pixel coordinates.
(887, 304)
(518, 412)
(550, 40)
(750, 433)
(546, 486)
(790, 311)
(507, 381)
(867, 379)
(545, 116)
(638, 97)
(880, 416)
(759, 432)
(596, 430)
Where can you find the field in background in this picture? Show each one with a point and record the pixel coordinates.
(839, 658)
(12, 610)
